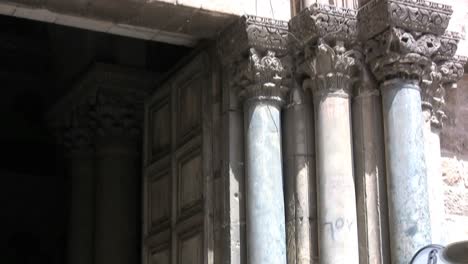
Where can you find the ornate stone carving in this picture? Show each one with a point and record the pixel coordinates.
(322, 38)
(332, 69)
(252, 32)
(403, 37)
(398, 53)
(323, 21)
(117, 113)
(107, 101)
(409, 15)
(254, 50)
(452, 70)
(434, 85)
(75, 131)
(448, 46)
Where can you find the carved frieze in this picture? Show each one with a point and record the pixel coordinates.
(254, 49)
(414, 16)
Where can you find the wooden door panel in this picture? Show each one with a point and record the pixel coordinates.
(176, 158)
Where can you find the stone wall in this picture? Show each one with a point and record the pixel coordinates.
(454, 143)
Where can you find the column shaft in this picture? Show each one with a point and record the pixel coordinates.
(369, 165)
(266, 241)
(338, 241)
(406, 170)
(81, 223)
(117, 203)
(299, 179)
(434, 177)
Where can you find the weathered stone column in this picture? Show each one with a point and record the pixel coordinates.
(300, 191)
(401, 38)
(324, 57)
(369, 171)
(118, 116)
(256, 46)
(442, 76)
(78, 141)
(74, 131)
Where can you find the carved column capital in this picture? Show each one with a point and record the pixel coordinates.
(322, 39)
(254, 50)
(403, 37)
(74, 131)
(107, 102)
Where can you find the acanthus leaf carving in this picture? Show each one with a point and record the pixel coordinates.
(254, 50)
(332, 69)
(442, 76)
(324, 56)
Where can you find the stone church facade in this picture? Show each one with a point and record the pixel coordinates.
(315, 139)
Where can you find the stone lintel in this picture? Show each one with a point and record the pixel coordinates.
(107, 99)
(254, 50)
(415, 16)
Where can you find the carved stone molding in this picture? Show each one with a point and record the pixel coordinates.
(322, 41)
(436, 81)
(409, 15)
(403, 37)
(75, 132)
(254, 50)
(107, 101)
(329, 23)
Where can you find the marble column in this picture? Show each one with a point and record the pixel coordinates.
(118, 115)
(369, 166)
(442, 76)
(253, 51)
(300, 191)
(338, 241)
(327, 62)
(399, 52)
(117, 200)
(81, 219)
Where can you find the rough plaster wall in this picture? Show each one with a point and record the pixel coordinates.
(454, 143)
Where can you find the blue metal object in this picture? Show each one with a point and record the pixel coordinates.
(428, 255)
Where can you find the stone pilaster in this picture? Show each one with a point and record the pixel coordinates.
(254, 49)
(323, 37)
(402, 40)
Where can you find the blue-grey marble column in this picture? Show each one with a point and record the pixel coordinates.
(266, 235)
(399, 52)
(254, 54)
(410, 227)
(336, 203)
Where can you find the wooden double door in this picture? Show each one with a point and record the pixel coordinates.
(177, 185)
